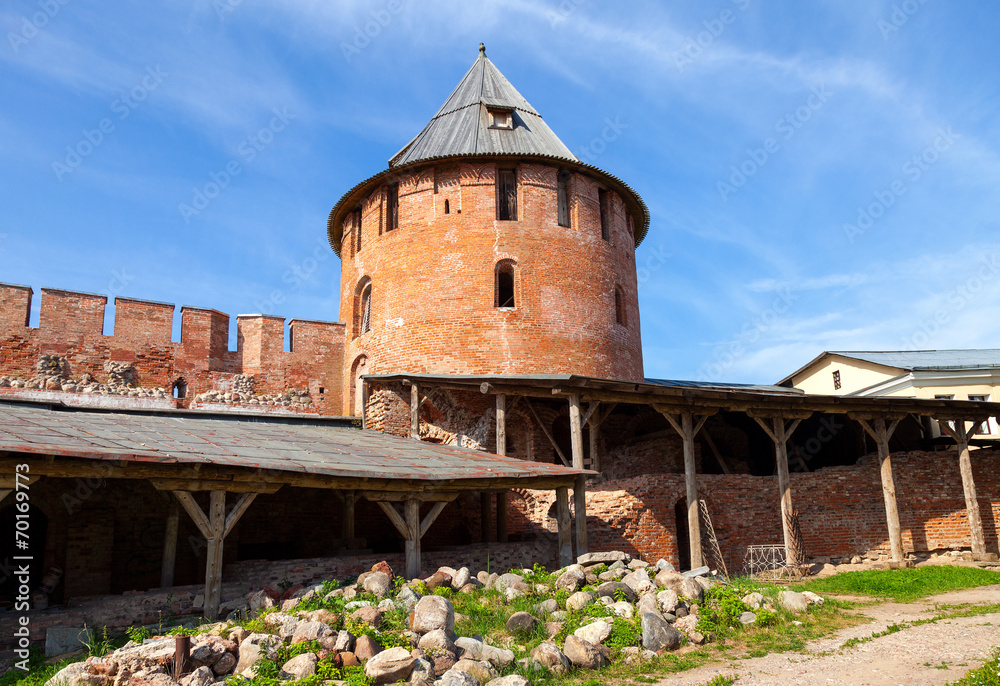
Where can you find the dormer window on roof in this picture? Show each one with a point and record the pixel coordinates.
(501, 118)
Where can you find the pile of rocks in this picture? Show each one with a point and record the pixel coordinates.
(292, 398)
(52, 374)
(662, 602)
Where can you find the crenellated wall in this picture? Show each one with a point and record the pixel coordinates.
(71, 325)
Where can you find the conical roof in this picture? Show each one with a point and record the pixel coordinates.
(462, 125)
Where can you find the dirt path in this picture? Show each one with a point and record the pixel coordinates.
(911, 656)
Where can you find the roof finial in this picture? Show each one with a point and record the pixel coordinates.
(482, 49)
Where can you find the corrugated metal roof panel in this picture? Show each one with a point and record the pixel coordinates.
(302, 448)
(928, 359)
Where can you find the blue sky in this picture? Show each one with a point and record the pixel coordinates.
(821, 175)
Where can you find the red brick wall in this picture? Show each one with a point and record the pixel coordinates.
(840, 508)
(433, 280)
(71, 324)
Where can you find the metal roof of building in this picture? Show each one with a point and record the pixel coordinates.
(928, 359)
(462, 127)
(303, 448)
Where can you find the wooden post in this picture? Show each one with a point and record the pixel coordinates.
(784, 486)
(779, 433)
(881, 434)
(347, 528)
(411, 509)
(580, 509)
(563, 525)
(170, 545)
(414, 411)
(502, 516)
(182, 656)
(214, 527)
(213, 566)
(687, 429)
(501, 424)
(576, 431)
(486, 516)
(961, 436)
(4, 492)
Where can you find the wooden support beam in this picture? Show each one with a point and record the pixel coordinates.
(170, 545)
(565, 536)
(501, 424)
(4, 492)
(591, 409)
(486, 516)
(961, 435)
(685, 426)
(213, 563)
(428, 520)
(191, 485)
(347, 523)
(197, 516)
(715, 452)
(779, 433)
(239, 508)
(545, 431)
(12, 481)
(400, 496)
(580, 510)
(502, 536)
(411, 509)
(394, 517)
(414, 411)
(576, 431)
(877, 429)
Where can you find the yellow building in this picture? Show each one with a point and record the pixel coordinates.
(945, 374)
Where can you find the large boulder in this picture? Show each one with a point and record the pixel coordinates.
(638, 581)
(365, 648)
(460, 578)
(549, 656)
(433, 612)
(579, 600)
(499, 657)
(311, 631)
(521, 623)
(456, 677)
(469, 647)
(595, 632)
(608, 558)
(482, 670)
(793, 602)
(657, 634)
(610, 588)
(679, 584)
(300, 666)
(582, 653)
(390, 666)
(378, 583)
(509, 680)
(71, 675)
(572, 580)
(254, 647)
(511, 580)
(437, 642)
(408, 598)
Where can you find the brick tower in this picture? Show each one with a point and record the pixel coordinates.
(487, 247)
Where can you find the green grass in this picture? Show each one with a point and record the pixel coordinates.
(904, 585)
(722, 680)
(39, 672)
(987, 675)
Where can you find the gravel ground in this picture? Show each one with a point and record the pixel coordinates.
(911, 656)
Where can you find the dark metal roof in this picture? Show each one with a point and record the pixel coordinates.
(281, 447)
(686, 395)
(462, 127)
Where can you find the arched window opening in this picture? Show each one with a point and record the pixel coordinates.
(180, 388)
(362, 307)
(504, 284)
(392, 207)
(563, 198)
(447, 207)
(357, 385)
(620, 307)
